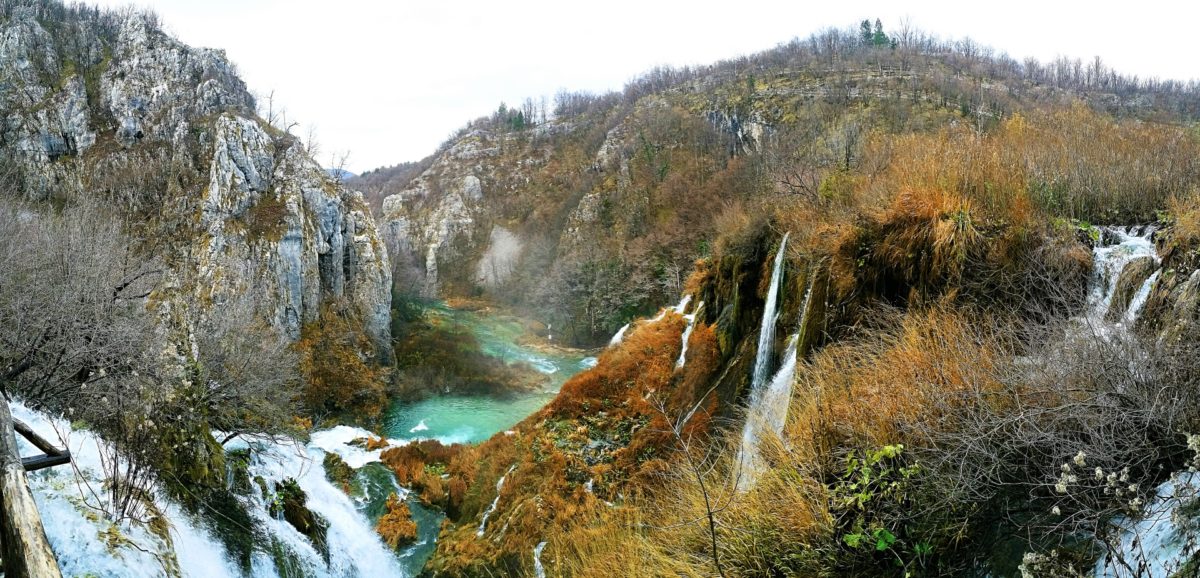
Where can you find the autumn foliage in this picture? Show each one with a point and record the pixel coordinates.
(340, 377)
(396, 526)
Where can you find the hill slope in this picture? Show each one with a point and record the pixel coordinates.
(596, 213)
(929, 373)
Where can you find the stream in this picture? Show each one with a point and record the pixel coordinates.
(473, 419)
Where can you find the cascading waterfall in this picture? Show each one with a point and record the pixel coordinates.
(619, 335)
(1109, 261)
(683, 304)
(767, 412)
(1159, 540)
(354, 547)
(687, 334)
(766, 335)
(496, 502)
(1139, 298)
(75, 530)
(538, 569)
(679, 308)
(758, 413)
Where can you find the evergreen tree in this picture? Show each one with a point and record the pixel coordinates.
(878, 38)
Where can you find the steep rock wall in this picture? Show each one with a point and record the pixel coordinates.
(106, 104)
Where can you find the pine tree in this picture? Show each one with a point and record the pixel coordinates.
(879, 38)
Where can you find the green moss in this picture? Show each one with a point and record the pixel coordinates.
(238, 463)
(287, 563)
(338, 471)
(290, 501)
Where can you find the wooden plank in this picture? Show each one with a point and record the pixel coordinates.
(34, 463)
(37, 440)
(26, 553)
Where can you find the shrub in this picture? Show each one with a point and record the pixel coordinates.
(339, 378)
(396, 525)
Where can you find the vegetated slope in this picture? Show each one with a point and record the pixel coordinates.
(953, 412)
(593, 212)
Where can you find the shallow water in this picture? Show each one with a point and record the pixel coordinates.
(461, 419)
(473, 419)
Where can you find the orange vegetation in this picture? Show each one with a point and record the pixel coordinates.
(420, 466)
(396, 525)
(335, 361)
(607, 429)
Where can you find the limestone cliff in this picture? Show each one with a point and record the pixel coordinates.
(106, 104)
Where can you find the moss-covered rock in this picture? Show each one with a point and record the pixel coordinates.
(1132, 277)
(237, 463)
(338, 471)
(290, 501)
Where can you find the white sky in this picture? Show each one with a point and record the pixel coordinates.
(388, 81)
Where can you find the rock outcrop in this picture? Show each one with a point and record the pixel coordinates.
(106, 104)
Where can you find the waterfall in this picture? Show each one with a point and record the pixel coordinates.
(75, 530)
(538, 569)
(687, 334)
(1109, 260)
(773, 406)
(683, 303)
(680, 308)
(767, 412)
(495, 502)
(619, 336)
(766, 335)
(354, 547)
(1139, 298)
(1159, 541)
(768, 401)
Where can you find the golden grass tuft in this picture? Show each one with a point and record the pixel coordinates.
(396, 526)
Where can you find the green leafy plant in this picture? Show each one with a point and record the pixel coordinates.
(869, 501)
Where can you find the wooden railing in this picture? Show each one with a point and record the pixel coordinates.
(23, 545)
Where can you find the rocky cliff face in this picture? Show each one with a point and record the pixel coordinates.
(108, 105)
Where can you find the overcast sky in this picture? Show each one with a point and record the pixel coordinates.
(388, 81)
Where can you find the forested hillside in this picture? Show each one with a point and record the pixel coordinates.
(591, 209)
(870, 303)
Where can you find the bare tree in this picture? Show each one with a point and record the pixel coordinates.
(701, 457)
(245, 373)
(71, 300)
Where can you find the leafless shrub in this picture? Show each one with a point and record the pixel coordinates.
(1087, 422)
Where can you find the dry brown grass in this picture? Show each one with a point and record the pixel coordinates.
(870, 392)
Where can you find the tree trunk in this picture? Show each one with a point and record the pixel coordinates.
(25, 549)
